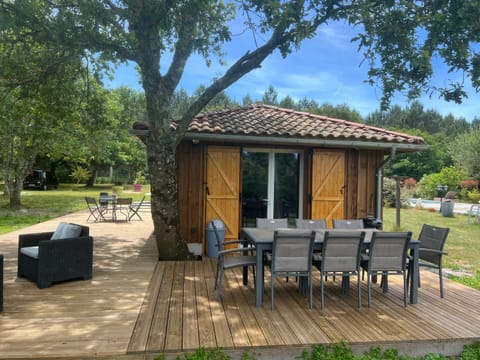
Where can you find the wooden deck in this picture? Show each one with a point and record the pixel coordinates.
(136, 307)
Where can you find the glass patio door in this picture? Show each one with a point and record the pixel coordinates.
(271, 185)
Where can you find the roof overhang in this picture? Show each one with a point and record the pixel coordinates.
(313, 142)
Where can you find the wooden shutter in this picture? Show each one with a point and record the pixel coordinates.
(223, 187)
(328, 183)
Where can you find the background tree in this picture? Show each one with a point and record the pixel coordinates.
(399, 39)
(36, 93)
(465, 152)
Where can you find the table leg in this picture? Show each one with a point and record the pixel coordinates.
(245, 273)
(346, 284)
(259, 284)
(414, 276)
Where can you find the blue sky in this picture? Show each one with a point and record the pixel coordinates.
(327, 68)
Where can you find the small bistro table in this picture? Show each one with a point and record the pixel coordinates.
(262, 239)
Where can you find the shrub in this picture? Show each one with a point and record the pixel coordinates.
(474, 196)
(471, 352)
(410, 183)
(390, 191)
(450, 176)
(469, 184)
(80, 174)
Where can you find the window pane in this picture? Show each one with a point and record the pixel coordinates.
(254, 186)
(287, 169)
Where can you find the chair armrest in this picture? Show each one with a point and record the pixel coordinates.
(433, 251)
(51, 250)
(33, 239)
(230, 242)
(231, 251)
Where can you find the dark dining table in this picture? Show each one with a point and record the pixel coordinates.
(262, 239)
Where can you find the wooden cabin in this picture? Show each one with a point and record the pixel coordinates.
(265, 161)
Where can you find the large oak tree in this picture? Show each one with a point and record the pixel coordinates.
(399, 39)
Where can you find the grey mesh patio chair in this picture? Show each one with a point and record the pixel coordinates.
(348, 224)
(311, 224)
(432, 241)
(354, 224)
(265, 223)
(341, 253)
(292, 255)
(387, 256)
(230, 258)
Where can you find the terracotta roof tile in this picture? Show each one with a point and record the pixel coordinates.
(265, 120)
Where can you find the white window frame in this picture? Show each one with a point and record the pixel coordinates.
(271, 177)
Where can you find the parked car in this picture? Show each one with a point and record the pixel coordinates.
(40, 180)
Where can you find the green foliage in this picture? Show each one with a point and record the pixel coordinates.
(139, 178)
(338, 351)
(390, 193)
(474, 196)
(471, 352)
(329, 352)
(204, 354)
(464, 150)
(341, 351)
(450, 176)
(80, 174)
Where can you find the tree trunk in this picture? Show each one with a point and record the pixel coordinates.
(14, 189)
(93, 175)
(163, 180)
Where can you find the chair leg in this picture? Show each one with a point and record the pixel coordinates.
(369, 289)
(441, 280)
(359, 290)
(311, 290)
(216, 275)
(219, 287)
(405, 291)
(322, 303)
(272, 282)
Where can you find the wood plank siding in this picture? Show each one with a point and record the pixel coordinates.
(196, 207)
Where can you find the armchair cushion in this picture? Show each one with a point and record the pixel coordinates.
(31, 251)
(66, 231)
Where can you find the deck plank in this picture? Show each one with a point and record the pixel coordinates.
(138, 341)
(206, 328)
(189, 309)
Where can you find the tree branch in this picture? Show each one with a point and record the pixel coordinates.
(183, 50)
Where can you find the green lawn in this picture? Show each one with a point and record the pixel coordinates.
(463, 242)
(38, 206)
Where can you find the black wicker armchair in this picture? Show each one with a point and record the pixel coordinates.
(65, 257)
